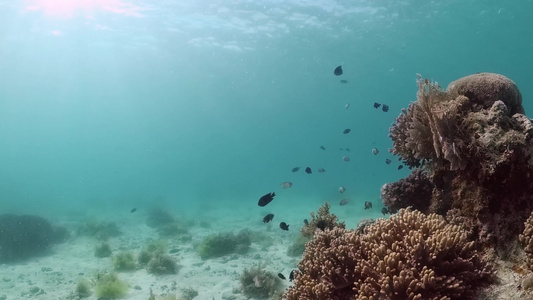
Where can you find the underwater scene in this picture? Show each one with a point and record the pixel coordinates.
(299, 149)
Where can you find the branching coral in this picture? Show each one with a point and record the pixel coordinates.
(409, 256)
(256, 282)
(323, 220)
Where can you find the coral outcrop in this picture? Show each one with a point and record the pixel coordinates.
(415, 190)
(323, 219)
(409, 256)
(526, 238)
(23, 236)
(474, 143)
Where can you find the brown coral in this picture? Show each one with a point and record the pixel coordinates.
(477, 149)
(324, 218)
(409, 256)
(526, 238)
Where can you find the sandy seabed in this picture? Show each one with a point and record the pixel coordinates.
(56, 274)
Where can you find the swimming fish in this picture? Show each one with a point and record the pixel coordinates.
(306, 222)
(347, 105)
(133, 210)
(308, 170)
(384, 211)
(322, 147)
(375, 151)
(342, 189)
(295, 169)
(346, 158)
(344, 202)
(281, 276)
(291, 276)
(387, 161)
(283, 226)
(400, 167)
(321, 224)
(346, 131)
(266, 199)
(385, 108)
(376, 105)
(344, 81)
(338, 71)
(368, 205)
(286, 184)
(268, 218)
(347, 149)
(321, 170)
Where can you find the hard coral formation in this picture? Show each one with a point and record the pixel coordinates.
(323, 218)
(475, 145)
(23, 236)
(526, 238)
(415, 190)
(409, 256)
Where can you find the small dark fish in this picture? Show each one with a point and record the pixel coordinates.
(384, 211)
(266, 199)
(347, 149)
(376, 105)
(387, 161)
(346, 131)
(306, 222)
(344, 202)
(368, 205)
(346, 158)
(268, 218)
(400, 167)
(344, 81)
(321, 170)
(375, 151)
(291, 276)
(321, 224)
(281, 276)
(133, 210)
(338, 71)
(283, 226)
(322, 147)
(342, 189)
(385, 108)
(295, 169)
(308, 170)
(286, 184)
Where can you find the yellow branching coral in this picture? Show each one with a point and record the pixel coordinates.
(409, 256)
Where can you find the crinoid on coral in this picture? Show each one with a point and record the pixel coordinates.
(409, 256)
(323, 220)
(475, 144)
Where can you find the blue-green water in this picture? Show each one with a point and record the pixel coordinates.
(201, 107)
(203, 102)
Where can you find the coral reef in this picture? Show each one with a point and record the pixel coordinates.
(224, 243)
(258, 283)
(323, 220)
(23, 236)
(409, 256)
(526, 239)
(475, 145)
(415, 190)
